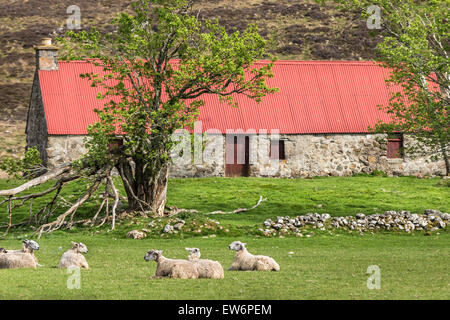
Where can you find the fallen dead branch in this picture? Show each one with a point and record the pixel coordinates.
(60, 221)
(62, 175)
(37, 181)
(261, 200)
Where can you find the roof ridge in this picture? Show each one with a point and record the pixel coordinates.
(288, 62)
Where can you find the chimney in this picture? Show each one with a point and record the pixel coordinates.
(46, 55)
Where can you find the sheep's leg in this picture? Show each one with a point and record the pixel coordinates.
(234, 266)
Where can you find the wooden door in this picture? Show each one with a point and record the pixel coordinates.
(237, 156)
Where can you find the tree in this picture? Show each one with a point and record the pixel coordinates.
(415, 48)
(155, 67)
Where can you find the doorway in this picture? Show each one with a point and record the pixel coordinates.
(237, 156)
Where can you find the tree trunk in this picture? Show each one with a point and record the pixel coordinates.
(445, 156)
(145, 192)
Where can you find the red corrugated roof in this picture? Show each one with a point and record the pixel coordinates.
(314, 97)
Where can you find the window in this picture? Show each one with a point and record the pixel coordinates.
(277, 150)
(395, 146)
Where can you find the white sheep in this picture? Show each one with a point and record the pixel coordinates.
(206, 268)
(245, 261)
(28, 248)
(173, 268)
(73, 257)
(16, 259)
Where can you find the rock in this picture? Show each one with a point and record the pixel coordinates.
(178, 226)
(431, 211)
(136, 234)
(401, 220)
(277, 226)
(168, 228)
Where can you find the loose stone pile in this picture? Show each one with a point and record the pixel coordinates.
(172, 226)
(405, 221)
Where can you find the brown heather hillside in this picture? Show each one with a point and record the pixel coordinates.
(300, 30)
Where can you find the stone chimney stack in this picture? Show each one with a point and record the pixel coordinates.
(46, 55)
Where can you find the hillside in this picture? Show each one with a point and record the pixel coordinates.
(303, 30)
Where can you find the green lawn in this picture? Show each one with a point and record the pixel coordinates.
(334, 195)
(325, 267)
(413, 266)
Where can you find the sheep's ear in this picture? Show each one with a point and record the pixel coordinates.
(243, 245)
(74, 243)
(188, 249)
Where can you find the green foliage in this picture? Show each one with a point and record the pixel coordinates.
(152, 73)
(416, 49)
(25, 166)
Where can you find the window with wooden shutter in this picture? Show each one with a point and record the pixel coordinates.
(277, 150)
(395, 146)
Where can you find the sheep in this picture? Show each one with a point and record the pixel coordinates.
(206, 268)
(245, 261)
(28, 246)
(73, 257)
(172, 268)
(15, 260)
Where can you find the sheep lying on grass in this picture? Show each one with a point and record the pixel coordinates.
(206, 268)
(73, 257)
(17, 260)
(172, 268)
(28, 246)
(245, 261)
(24, 258)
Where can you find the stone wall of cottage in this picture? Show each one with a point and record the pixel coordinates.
(342, 155)
(306, 156)
(64, 148)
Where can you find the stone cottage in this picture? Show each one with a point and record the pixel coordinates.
(316, 125)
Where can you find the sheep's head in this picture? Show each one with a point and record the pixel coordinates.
(80, 247)
(153, 255)
(30, 245)
(194, 252)
(2, 250)
(237, 245)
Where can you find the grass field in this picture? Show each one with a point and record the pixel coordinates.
(412, 266)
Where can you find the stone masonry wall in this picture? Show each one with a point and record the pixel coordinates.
(306, 156)
(61, 149)
(343, 155)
